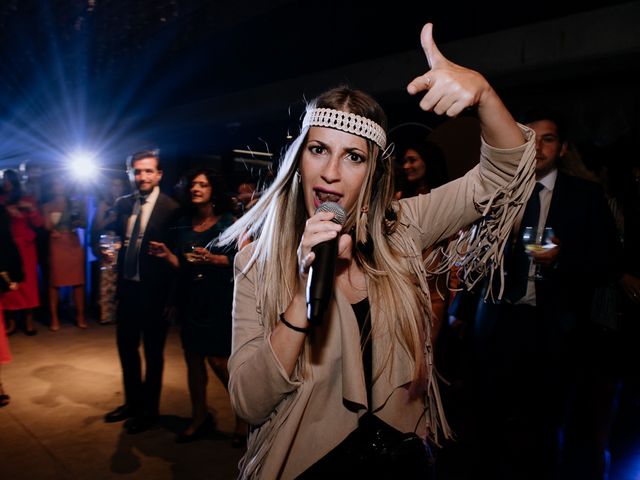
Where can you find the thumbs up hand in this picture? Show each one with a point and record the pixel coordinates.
(450, 88)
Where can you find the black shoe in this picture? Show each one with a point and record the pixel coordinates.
(139, 424)
(119, 414)
(204, 429)
(31, 333)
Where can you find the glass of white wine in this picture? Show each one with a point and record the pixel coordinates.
(110, 244)
(188, 251)
(537, 241)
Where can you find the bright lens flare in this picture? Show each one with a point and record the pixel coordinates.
(82, 165)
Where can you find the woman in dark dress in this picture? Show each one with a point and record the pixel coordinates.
(205, 293)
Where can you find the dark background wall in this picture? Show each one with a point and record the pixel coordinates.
(200, 78)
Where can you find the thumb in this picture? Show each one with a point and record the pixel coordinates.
(434, 57)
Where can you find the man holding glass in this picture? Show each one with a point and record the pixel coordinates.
(533, 347)
(144, 284)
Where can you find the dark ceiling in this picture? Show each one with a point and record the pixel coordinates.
(226, 46)
(95, 69)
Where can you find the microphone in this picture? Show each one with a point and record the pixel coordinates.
(323, 269)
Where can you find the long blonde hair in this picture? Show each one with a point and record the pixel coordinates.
(276, 224)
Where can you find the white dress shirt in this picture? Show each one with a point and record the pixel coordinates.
(145, 211)
(549, 183)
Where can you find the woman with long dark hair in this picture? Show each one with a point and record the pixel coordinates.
(423, 167)
(205, 292)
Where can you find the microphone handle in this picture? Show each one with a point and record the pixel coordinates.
(321, 280)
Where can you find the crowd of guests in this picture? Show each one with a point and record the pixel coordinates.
(174, 272)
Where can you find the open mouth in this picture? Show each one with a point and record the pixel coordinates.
(321, 196)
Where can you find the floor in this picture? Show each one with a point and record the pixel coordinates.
(61, 384)
(625, 444)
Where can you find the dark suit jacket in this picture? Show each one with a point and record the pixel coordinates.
(156, 275)
(589, 256)
(589, 253)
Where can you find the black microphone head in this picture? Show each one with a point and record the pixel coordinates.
(335, 208)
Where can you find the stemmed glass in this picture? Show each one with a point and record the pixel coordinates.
(537, 241)
(188, 251)
(110, 244)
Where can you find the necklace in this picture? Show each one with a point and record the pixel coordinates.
(206, 220)
(201, 223)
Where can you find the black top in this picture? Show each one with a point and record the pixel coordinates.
(205, 293)
(362, 311)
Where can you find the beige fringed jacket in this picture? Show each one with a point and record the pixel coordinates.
(298, 420)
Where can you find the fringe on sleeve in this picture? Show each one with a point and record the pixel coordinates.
(478, 250)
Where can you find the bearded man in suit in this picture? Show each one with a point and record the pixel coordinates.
(537, 347)
(144, 285)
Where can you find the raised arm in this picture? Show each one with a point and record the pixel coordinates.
(451, 88)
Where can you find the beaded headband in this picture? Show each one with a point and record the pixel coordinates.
(347, 122)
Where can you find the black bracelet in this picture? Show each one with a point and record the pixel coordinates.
(293, 327)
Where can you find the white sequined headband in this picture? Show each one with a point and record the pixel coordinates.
(347, 122)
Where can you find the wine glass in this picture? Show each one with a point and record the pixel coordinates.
(547, 238)
(187, 250)
(537, 241)
(110, 244)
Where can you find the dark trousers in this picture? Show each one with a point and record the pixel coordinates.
(135, 323)
(520, 389)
